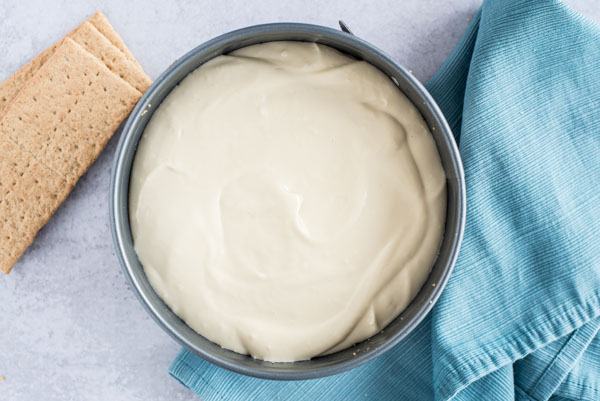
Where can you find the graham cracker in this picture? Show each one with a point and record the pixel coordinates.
(101, 23)
(93, 41)
(52, 131)
(11, 86)
(29, 194)
(131, 71)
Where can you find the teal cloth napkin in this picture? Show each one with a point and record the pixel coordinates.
(521, 313)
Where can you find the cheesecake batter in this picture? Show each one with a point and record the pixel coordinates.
(287, 201)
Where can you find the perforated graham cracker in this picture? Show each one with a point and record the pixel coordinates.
(11, 86)
(101, 23)
(113, 56)
(57, 125)
(29, 194)
(97, 44)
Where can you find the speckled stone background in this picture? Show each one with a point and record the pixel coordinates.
(70, 328)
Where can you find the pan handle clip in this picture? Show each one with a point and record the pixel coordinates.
(345, 28)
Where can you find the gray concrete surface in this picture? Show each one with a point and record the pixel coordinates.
(70, 328)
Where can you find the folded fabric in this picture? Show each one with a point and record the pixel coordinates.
(521, 313)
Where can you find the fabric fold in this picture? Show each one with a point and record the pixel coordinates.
(529, 150)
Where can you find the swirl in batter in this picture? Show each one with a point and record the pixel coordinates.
(287, 201)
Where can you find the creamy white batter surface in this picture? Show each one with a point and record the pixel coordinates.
(287, 201)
